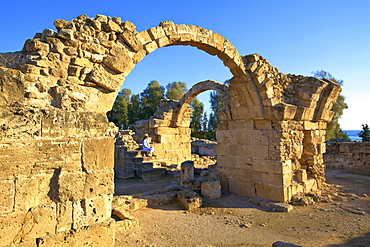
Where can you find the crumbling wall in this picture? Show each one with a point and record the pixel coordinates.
(348, 155)
(56, 173)
(172, 144)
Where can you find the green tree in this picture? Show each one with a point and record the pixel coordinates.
(134, 111)
(197, 118)
(119, 113)
(365, 133)
(175, 90)
(150, 98)
(333, 130)
(217, 103)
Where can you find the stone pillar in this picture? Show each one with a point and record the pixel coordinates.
(187, 172)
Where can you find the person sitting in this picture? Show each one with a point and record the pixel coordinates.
(146, 145)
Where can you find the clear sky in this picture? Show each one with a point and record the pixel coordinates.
(297, 37)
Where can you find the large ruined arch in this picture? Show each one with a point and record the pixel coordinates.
(57, 145)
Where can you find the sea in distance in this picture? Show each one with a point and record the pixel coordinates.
(353, 134)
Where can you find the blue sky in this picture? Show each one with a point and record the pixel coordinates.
(297, 37)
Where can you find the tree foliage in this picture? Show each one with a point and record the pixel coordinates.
(197, 119)
(150, 98)
(119, 113)
(365, 133)
(334, 130)
(175, 90)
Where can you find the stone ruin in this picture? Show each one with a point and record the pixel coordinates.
(57, 146)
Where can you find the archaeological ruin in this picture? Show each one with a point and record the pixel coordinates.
(57, 146)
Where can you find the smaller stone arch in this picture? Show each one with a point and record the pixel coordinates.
(194, 91)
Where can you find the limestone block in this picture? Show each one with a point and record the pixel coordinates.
(129, 26)
(105, 80)
(66, 34)
(59, 24)
(121, 63)
(139, 56)
(243, 188)
(126, 224)
(270, 192)
(277, 167)
(101, 234)
(99, 182)
(187, 171)
(128, 203)
(36, 46)
(10, 227)
(82, 62)
(164, 41)
(310, 185)
(71, 186)
(211, 189)
(150, 47)
(263, 124)
(305, 114)
(98, 153)
(12, 87)
(7, 194)
(88, 212)
(64, 216)
(111, 26)
(281, 111)
(94, 48)
(156, 32)
(34, 190)
(301, 175)
(189, 200)
(131, 39)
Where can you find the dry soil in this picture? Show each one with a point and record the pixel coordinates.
(233, 220)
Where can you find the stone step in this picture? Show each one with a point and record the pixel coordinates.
(125, 174)
(137, 160)
(151, 173)
(134, 153)
(144, 165)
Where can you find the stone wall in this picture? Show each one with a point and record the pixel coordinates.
(348, 155)
(56, 177)
(172, 144)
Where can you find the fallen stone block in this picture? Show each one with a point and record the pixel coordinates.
(189, 200)
(211, 189)
(276, 206)
(128, 203)
(161, 199)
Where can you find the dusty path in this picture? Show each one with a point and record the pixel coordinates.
(234, 221)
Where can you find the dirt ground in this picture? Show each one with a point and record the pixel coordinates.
(234, 221)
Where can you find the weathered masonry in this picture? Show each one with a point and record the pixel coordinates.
(56, 146)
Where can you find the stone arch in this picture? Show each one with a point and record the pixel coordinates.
(193, 92)
(81, 67)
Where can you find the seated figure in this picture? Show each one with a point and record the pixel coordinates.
(146, 145)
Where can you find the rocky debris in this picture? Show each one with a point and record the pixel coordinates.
(128, 203)
(190, 200)
(275, 206)
(124, 220)
(124, 138)
(283, 244)
(305, 199)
